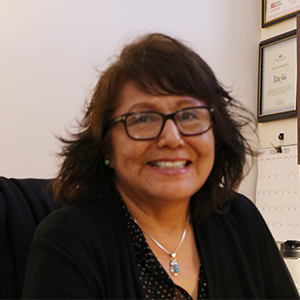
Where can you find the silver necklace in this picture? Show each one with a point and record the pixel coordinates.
(174, 268)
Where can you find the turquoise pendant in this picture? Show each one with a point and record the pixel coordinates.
(174, 269)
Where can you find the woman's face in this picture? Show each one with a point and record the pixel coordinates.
(170, 167)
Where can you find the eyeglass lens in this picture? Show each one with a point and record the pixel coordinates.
(148, 125)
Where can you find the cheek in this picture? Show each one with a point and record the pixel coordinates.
(207, 144)
(212, 150)
(207, 150)
(127, 164)
(118, 139)
(126, 153)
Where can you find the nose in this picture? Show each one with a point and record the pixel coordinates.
(170, 136)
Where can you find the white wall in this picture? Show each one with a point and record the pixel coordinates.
(49, 50)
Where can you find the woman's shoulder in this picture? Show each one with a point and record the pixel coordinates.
(93, 216)
(241, 203)
(240, 215)
(242, 209)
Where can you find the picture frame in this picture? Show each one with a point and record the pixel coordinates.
(274, 11)
(277, 86)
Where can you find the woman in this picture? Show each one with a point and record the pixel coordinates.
(149, 187)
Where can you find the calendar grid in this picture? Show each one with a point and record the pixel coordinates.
(278, 192)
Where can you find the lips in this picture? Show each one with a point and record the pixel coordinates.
(179, 164)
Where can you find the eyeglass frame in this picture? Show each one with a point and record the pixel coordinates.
(122, 118)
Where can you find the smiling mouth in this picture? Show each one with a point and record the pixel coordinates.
(180, 164)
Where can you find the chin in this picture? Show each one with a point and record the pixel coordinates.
(176, 193)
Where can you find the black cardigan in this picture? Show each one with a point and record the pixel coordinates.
(85, 251)
(23, 204)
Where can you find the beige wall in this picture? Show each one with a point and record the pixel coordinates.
(49, 50)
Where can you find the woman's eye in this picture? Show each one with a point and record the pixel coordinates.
(141, 119)
(188, 115)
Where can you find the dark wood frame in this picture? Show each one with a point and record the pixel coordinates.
(262, 46)
(263, 17)
(298, 87)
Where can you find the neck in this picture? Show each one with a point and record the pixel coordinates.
(157, 214)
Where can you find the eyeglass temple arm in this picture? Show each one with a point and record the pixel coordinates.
(116, 120)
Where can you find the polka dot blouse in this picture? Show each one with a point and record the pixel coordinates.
(155, 281)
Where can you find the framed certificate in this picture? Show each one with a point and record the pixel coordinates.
(274, 11)
(277, 77)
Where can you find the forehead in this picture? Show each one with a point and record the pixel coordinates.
(133, 99)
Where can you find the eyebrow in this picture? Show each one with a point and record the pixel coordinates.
(154, 106)
(143, 106)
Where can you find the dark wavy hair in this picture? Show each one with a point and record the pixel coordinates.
(157, 64)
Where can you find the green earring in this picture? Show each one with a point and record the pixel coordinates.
(106, 162)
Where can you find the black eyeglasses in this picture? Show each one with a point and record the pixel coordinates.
(148, 125)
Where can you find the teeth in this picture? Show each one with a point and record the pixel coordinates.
(169, 164)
